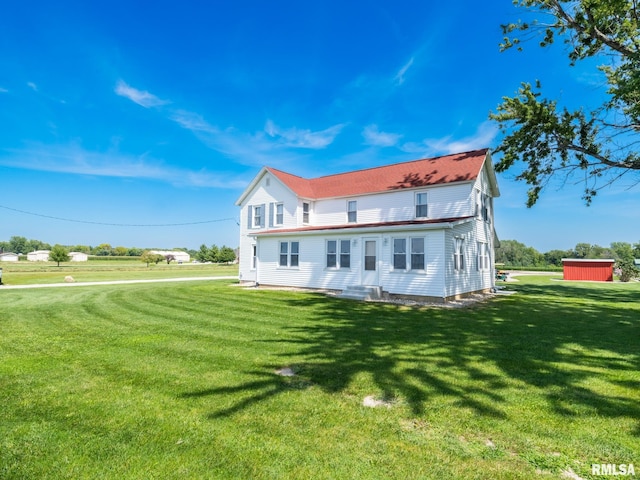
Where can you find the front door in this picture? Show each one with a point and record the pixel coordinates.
(370, 262)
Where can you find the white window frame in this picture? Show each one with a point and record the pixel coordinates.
(306, 210)
(341, 254)
(352, 211)
(408, 254)
(257, 216)
(458, 254)
(290, 254)
(483, 256)
(279, 220)
(421, 206)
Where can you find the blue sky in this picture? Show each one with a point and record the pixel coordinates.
(160, 113)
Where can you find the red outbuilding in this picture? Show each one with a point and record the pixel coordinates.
(591, 269)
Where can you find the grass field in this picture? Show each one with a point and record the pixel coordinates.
(29, 273)
(168, 381)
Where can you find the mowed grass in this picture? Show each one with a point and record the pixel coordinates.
(179, 381)
(29, 273)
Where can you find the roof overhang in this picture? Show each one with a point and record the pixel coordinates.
(368, 228)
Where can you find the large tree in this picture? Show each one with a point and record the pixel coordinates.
(599, 143)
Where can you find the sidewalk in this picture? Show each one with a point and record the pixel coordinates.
(115, 282)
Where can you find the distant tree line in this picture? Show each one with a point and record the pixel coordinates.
(22, 245)
(215, 254)
(516, 254)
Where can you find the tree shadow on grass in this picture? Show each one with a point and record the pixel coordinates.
(555, 338)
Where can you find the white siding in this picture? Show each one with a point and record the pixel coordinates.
(269, 190)
(443, 202)
(428, 283)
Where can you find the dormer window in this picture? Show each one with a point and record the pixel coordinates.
(421, 205)
(352, 211)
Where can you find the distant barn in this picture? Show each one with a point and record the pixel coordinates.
(590, 269)
(8, 257)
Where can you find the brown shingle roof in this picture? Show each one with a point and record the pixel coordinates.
(460, 167)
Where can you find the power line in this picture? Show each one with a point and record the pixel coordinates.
(117, 224)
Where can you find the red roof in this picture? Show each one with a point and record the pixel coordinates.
(460, 167)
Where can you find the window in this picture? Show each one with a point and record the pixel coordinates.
(254, 256)
(305, 212)
(341, 259)
(332, 255)
(279, 214)
(257, 216)
(417, 253)
(289, 254)
(483, 256)
(352, 211)
(345, 254)
(294, 257)
(399, 253)
(284, 254)
(458, 254)
(415, 257)
(482, 206)
(421, 205)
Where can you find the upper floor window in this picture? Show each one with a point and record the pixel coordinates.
(484, 203)
(352, 211)
(289, 254)
(255, 216)
(421, 205)
(338, 254)
(279, 213)
(305, 212)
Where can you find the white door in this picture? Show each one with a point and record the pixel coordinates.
(370, 262)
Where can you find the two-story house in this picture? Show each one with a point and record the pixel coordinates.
(421, 228)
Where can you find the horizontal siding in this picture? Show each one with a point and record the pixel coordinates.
(443, 202)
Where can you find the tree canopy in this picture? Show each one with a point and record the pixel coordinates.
(600, 142)
(59, 254)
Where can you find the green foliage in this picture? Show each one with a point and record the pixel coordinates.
(59, 254)
(148, 258)
(547, 140)
(626, 270)
(214, 254)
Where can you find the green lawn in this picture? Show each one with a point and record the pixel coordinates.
(29, 273)
(175, 381)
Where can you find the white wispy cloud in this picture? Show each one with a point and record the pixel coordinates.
(140, 97)
(400, 76)
(32, 86)
(483, 137)
(75, 160)
(3, 90)
(376, 138)
(303, 138)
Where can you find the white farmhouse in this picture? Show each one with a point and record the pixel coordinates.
(38, 256)
(421, 228)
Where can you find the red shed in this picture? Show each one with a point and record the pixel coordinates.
(592, 269)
